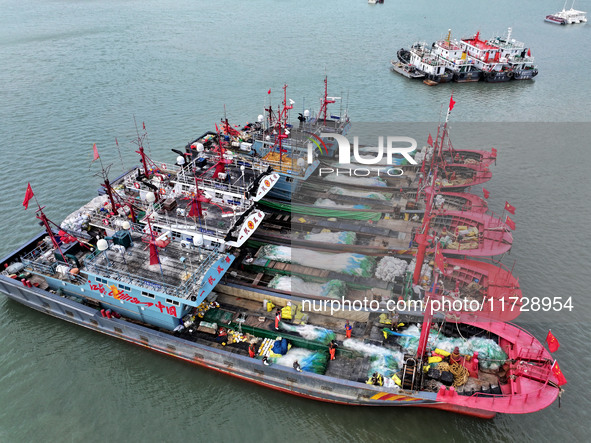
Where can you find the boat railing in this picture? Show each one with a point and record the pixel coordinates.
(52, 269)
(213, 185)
(182, 291)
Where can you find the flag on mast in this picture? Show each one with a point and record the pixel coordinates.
(510, 223)
(430, 140)
(451, 106)
(28, 196)
(558, 373)
(509, 208)
(486, 193)
(96, 155)
(553, 344)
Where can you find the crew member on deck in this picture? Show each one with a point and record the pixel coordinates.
(348, 329)
(252, 350)
(332, 349)
(277, 319)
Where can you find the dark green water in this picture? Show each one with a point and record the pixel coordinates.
(76, 72)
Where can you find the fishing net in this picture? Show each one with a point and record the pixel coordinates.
(309, 361)
(490, 354)
(331, 289)
(339, 238)
(389, 268)
(346, 263)
(362, 194)
(310, 332)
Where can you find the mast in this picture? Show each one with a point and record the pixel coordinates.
(324, 101)
(45, 221)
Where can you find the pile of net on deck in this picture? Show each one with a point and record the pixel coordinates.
(362, 181)
(390, 267)
(332, 203)
(330, 289)
(310, 332)
(353, 193)
(490, 354)
(382, 360)
(336, 238)
(78, 220)
(309, 361)
(345, 263)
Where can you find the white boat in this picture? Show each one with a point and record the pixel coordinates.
(567, 17)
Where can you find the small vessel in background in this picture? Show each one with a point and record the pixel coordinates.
(406, 70)
(567, 17)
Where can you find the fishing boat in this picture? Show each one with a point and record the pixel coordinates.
(354, 276)
(513, 374)
(567, 17)
(276, 145)
(218, 333)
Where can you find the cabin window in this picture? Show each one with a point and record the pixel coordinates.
(147, 294)
(169, 301)
(288, 179)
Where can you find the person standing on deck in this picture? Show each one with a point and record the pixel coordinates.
(348, 329)
(332, 349)
(252, 350)
(277, 319)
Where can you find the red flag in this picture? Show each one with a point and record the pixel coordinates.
(430, 141)
(529, 52)
(553, 344)
(439, 261)
(558, 373)
(28, 196)
(269, 91)
(95, 152)
(509, 208)
(116, 141)
(144, 126)
(486, 193)
(510, 223)
(451, 103)
(153, 254)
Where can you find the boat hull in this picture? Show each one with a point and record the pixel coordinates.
(525, 74)
(280, 378)
(466, 77)
(497, 76)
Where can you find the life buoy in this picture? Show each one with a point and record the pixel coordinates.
(162, 191)
(105, 222)
(509, 74)
(136, 185)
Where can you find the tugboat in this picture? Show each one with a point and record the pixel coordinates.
(519, 59)
(452, 54)
(424, 60)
